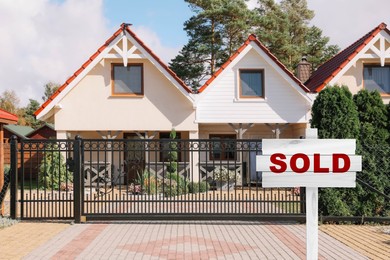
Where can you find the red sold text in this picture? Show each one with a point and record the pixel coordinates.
(300, 163)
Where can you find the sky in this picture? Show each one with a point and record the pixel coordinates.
(48, 40)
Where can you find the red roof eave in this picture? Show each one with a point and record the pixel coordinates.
(7, 117)
(96, 54)
(252, 38)
(327, 71)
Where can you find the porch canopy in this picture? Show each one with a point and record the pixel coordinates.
(5, 118)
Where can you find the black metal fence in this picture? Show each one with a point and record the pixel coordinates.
(145, 179)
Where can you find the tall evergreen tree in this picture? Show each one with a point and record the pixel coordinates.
(334, 114)
(284, 29)
(215, 32)
(375, 153)
(29, 117)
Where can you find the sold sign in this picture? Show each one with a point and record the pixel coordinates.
(308, 163)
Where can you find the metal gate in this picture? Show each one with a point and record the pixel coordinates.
(86, 179)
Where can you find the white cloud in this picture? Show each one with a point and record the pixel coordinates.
(345, 21)
(152, 40)
(46, 41)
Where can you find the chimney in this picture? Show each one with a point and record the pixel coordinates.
(303, 70)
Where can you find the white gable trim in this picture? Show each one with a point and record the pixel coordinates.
(270, 61)
(125, 54)
(281, 72)
(380, 54)
(160, 68)
(215, 81)
(79, 77)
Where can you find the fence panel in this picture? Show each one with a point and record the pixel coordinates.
(45, 184)
(192, 179)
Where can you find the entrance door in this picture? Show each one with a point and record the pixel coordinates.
(134, 157)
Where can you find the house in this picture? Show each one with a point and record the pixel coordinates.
(19, 131)
(365, 64)
(124, 91)
(46, 131)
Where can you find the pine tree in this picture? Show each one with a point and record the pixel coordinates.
(284, 29)
(215, 32)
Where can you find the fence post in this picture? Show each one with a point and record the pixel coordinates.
(77, 182)
(14, 177)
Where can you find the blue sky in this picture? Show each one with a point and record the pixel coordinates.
(165, 17)
(48, 40)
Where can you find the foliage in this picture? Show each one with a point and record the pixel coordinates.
(216, 30)
(149, 183)
(50, 88)
(337, 114)
(9, 101)
(174, 185)
(195, 187)
(172, 154)
(52, 169)
(29, 114)
(223, 174)
(375, 151)
(334, 114)
(284, 29)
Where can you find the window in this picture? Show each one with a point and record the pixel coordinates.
(165, 146)
(377, 78)
(127, 81)
(222, 147)
(251, 83)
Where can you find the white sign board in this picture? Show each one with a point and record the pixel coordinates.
(308, 163)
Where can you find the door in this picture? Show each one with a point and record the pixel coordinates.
(134, 157)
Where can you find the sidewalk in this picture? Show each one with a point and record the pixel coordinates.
(171, 240)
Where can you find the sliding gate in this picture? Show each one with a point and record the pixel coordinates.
(87, 179)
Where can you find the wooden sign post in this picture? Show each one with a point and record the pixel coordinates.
(310, 163)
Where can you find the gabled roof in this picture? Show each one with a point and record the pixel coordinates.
(123, 27)
(327, 71)
(7, 117)
(31, 133)
(19, 130)
(252, 39)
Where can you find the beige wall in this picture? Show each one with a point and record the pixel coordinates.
(353, 78)
(90, 105)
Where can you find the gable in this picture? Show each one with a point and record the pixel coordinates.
(284, 101)
(123, 46)
(374, 47)
(161, 107)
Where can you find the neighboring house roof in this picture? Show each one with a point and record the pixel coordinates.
(48, 125)
(7, 117)
(327, 71)
(19, 130)
(51, 101)
(252, 39)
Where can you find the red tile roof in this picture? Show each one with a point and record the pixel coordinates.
(101, 49)
(7, 118)
(252, 38)
(327, 71)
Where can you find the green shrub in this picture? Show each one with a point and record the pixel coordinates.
(195, 187)
(52, 170)
(174, 185)
(149, 183)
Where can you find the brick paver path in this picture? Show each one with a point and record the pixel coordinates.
(187, 240)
